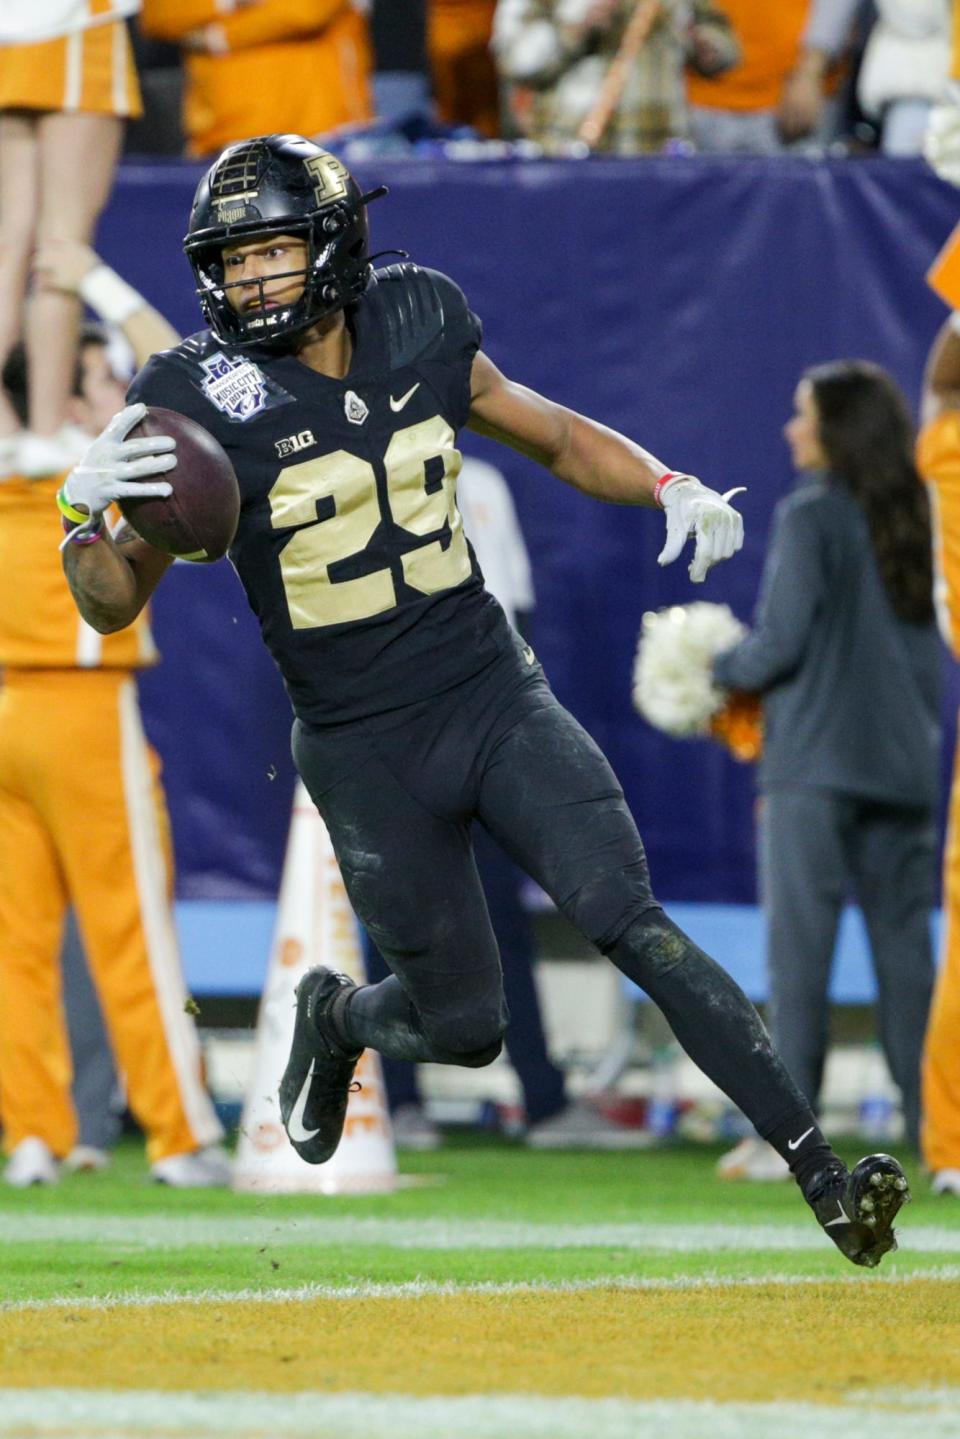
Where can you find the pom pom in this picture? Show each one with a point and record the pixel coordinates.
(941, 145)
(673, 687)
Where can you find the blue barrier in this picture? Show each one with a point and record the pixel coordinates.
(226, 947)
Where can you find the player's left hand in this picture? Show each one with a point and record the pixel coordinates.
(692, 508)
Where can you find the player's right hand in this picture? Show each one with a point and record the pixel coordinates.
(112, 466)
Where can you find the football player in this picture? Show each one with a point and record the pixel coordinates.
(338, 392)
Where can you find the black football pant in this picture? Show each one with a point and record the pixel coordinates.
(398, 793)
(541, 1082)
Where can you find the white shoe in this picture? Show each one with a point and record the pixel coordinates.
(86, 1159)
(32, 1162)
(414, 1129)
(582, 1126)
(40, 455)
(946, 1181)
(753, 1159)
(208, 1168)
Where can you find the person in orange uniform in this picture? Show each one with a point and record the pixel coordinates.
(265, 65)
(67, 81)
(938, 459)
(82, 817)
(779, 92)
(465, 83)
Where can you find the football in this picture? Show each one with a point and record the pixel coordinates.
(199, 520)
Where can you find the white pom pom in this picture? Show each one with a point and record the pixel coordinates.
(673, 687)
(941, 145)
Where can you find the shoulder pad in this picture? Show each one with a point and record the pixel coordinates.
(412, 311)
(198, 346)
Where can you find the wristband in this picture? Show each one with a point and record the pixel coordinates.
(661, 485)
(79, 517)
(71, 530)
(113, 299)
(954, 322)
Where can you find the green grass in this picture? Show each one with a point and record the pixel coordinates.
(475, 1179)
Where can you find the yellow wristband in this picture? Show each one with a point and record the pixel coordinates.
(79, 517)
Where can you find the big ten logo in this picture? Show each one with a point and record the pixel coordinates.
(267, 1136)
(291, 952)
(292, 444)
(366, 1111)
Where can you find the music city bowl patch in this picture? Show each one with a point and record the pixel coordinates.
(235, 386)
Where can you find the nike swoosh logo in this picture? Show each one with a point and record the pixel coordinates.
(528, 655)
(796, 1143)
(295, 1129)
(840, 1219)
(397, 405)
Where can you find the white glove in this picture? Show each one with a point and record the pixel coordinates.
(691, 508)
(110, 468)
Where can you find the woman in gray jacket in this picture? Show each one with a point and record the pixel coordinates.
(846, 657)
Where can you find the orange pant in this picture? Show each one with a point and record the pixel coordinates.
(82, 821)
(940, 1132)
(91, 70)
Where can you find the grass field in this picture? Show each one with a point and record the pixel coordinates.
(505, 1294)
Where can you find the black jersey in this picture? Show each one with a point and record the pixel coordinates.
(350, 546)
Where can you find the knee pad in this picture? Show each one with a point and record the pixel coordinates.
(650, 947)
(471, 1039)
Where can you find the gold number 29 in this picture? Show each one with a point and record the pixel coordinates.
(310, 559)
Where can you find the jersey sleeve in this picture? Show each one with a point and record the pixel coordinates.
(460, 339)
(462, 329)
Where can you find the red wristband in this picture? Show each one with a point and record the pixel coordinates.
(661, 485)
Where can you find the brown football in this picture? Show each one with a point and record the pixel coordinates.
(199, 520)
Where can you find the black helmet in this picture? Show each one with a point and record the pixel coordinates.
(279, 184)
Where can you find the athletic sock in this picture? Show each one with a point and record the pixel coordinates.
(800, 1142)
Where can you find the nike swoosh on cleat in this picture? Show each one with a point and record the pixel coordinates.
(295, 1130)
(397, 405)
(840, 1219)
(796, 1143)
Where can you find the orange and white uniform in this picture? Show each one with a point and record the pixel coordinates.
(770, 37)
(299, 66)
(938, 459)
(82, 822)
(68, 55)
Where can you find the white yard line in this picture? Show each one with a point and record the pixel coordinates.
(425, 1288)
(88, 1414)
(168, 1231)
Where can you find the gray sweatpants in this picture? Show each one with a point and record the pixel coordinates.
(819, 848)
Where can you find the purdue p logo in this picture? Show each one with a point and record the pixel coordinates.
(329, 177)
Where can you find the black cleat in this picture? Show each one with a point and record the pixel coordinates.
(318, 1078)
(857, 1209)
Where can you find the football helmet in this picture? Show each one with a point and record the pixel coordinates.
(271, 185)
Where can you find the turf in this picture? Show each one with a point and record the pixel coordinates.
(470, 1179)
